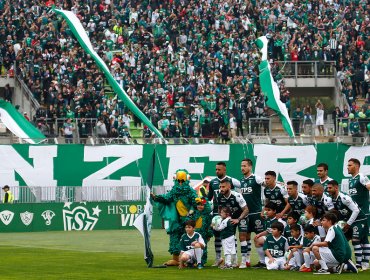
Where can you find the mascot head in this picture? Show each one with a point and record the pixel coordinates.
(182, 177)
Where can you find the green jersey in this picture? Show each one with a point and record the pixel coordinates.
(358, 191)
(308, 242)
(298, 204)
(226, 228)
(295, 241)
(322, 204)
(269, 222)
(323, 183)
(186, 241)
(348, 209)
(214, 190)
(338, 244)
(277, 195)
(251, 188)
(276, 246)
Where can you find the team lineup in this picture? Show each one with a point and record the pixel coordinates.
(307, 231)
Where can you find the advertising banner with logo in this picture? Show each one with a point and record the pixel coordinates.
(71, 216)
(121, 165)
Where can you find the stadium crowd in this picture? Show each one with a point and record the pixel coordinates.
(184, 63)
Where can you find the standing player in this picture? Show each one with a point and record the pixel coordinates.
(355, 219)
(297, 201)
(321, 201)
(322, 173)
(237, 204)
(251, 189)
(276, 194)
(214, 189)
(307, 190)
(359, 186)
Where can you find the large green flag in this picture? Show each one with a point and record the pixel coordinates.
(271, 89)
(81, 35)
(18, 125)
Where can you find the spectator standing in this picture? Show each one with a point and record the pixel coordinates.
(8, 196)
(68, 131)
(320, 117)
(297, 119)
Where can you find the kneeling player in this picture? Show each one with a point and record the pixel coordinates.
(295, 258)
(334, 251)
(275, 247)
(192, 245)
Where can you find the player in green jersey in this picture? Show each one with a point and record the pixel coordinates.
(359, 186)
(322, 173)
(191, 245)
(295, 257)
(355, 220)
(227, 234)
(275, 247)
(260, 238)
(296, 200)
(214, 190)
(251, 189)
(276, 194)
(309, 238)
(307, 190)
(334, 251)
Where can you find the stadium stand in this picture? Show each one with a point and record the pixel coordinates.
(186, 60)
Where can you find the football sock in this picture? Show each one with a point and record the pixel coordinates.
(323, 264)
(218, 246)
(297, 258)
(244, 250)
(227, 259)
(307, 259)
(198, 254)
(365, 253)
(261, 254)
(358, 252)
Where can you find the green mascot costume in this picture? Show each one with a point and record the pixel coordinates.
(174, 207)
(202, 217)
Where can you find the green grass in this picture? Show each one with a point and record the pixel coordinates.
(110, 255)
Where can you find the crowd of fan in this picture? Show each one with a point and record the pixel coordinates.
(184, 63)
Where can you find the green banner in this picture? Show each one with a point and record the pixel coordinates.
(70, 216)
(122, 165)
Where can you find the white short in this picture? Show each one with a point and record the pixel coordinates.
(192, 256)
(278, 264)
(327, 256)
(228, 245)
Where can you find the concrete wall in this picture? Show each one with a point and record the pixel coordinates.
(19, 98)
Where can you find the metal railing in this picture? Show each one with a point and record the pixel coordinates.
(46, 194)
(259, 126)
(55, 127)
(307, 69)
(26, 93)
(343, 127)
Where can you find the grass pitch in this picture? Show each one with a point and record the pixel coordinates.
(112, 255)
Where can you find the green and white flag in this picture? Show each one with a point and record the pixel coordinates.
(81, 35)
(18, 125)
(271, 89)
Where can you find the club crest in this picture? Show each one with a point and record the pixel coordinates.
(26, 218)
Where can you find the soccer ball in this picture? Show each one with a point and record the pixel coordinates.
(216, 221)
(303, 219)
